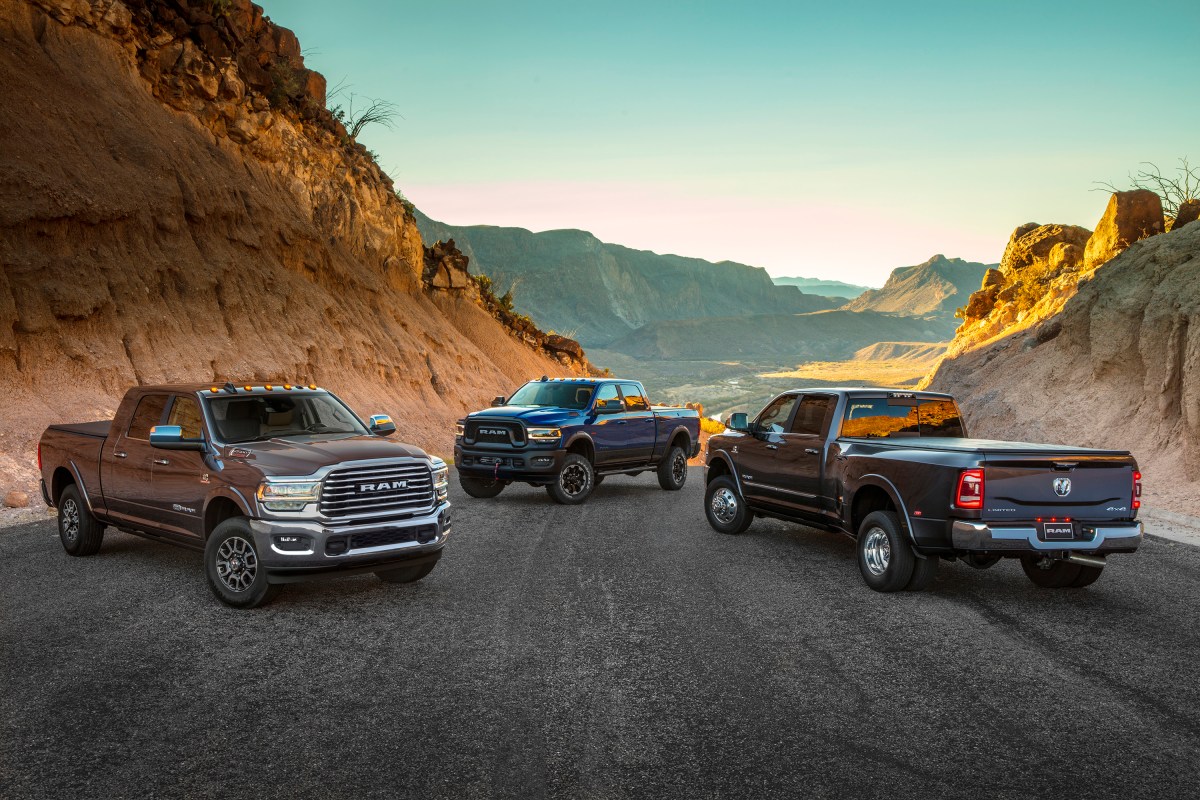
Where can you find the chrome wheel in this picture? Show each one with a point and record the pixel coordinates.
(877, 551)
(574, 479)
(68, 519)
(679, 468)
(237, 564)
(724, 506)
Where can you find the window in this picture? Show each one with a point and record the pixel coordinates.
(811, 415)
(635, 400)
(149, 412)
(553, 394)
(185, 412)
(775, 416)
(877, 417)
(243, 418)
(607, 396)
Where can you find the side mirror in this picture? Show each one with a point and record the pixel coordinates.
(738, 422)
(608, 407)
(382, 425)
(170, 437)
(499, 400)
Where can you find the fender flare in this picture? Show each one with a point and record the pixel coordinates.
(883, 482)
(581, 436)
(721, 455)
(675, 432)
(228, 493)
(78, 476)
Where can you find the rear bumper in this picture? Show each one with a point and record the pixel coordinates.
(537, 465)
(297, 551)
(1109, 537)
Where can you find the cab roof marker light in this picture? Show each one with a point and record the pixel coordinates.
(312, 386)
(268, 387)
(287, 386)
(248, 388)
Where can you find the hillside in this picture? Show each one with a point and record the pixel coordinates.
(176, 204)
(775, 338)
(937, 287)
(1105, 353)
(824, 287)
(597, 292)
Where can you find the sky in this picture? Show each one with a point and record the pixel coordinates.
(834, 140)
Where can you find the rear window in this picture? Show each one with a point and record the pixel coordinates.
(880, 418)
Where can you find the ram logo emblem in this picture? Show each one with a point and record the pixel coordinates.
(1062, 486)
(382, 487)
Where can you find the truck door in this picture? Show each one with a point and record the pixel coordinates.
(799, 462)
(756, 453)
(178, 475)
(641, 429)
(126, 462)
(607, 430)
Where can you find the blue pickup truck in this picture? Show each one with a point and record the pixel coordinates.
(567, 434)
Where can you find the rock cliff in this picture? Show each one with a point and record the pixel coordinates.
(177, 204)
(935, 288)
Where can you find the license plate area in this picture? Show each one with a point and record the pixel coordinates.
(1058, 531)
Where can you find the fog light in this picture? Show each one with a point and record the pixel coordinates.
(542, 461)
(335, 547)
(291, 542)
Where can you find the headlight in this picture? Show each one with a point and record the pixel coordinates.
(441, 479)
(545, 434)
(459, 430)
(287, 495)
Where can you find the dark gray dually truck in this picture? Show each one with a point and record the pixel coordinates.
(896, 471)
(274, 483)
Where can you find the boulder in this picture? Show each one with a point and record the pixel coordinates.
(1189, 211)
(1129, 217)
(562, 345)
(1031, 243)
(16, 499)
(993, 277)
(1065, 257)
(446, 267)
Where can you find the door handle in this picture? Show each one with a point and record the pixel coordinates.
(772, 447)
(120, 453)
(163, 461)
(812, 451)
(622, 421)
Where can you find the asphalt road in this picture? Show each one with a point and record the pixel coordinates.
(621, 649)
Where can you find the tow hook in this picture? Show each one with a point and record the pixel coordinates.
(1086, 561)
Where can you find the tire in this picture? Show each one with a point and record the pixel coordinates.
(1053, 575)
(81, 534)
(482, 488)
(725, 507)
(1087, 576)
(405, 574)
(232, 567)
(885, 559)
(924, 571)
(574, 482)
(672, 470)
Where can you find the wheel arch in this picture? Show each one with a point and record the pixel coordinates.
(220, 507)
(582, 443)
(680, 436)
(877, 493)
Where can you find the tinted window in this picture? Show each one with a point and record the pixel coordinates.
(149, 413)
(607, 395)
(775, 416)
(811, 415)
(553, 394)
(185, 412)
(876, 418)
(635, 400)
(245, 418)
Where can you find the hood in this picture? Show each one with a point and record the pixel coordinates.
(301, 455)
(530, 415)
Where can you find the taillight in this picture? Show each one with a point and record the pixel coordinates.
(1137, 490)
(970, 489)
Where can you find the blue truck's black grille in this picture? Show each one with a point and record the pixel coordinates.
(484, 432)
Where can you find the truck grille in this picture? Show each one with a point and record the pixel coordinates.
(484, 432)
(425, 533)
(392, 489)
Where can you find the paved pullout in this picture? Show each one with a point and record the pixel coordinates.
(618, 649)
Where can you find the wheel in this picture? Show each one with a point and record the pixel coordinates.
(81, 533)
(1050, 573)
(924, 571)
(1087, 576)
(672, 470)
(725, 508)
(980, 561)
(405, 574)
(574, 482)
(480, 487)
(885, 558)
(232, 567)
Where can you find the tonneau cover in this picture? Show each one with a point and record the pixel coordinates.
(97, 429)
(987, 446)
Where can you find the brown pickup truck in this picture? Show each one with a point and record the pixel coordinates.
(275, 483)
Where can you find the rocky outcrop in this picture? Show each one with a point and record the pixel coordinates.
(1189, 211)
(1130, 217)
(175, 206)
(446, 267)
(935, 288)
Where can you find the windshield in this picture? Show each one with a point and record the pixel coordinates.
(260, 417)
(556, 394)
(879, 418)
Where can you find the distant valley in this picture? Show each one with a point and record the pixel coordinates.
(822, 286)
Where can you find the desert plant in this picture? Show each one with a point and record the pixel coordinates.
(376, 112)
(1174, 190)
(285, 84)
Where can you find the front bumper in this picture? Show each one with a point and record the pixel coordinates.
(300, 550)
(532, 464)
(1105, 537)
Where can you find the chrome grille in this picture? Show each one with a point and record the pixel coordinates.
(377, 490)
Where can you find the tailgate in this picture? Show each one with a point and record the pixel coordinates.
(1024, 488)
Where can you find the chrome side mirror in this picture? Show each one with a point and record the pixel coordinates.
(382, 425)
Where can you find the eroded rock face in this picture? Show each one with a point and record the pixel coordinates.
(446, 267)
(1030, 245)
(1130, 217)
(1188, 212)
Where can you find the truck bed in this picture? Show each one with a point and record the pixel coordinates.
(984, 446)
(98, 429)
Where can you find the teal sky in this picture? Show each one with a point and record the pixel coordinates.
(832, 140)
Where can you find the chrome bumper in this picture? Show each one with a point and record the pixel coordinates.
(981, 536)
